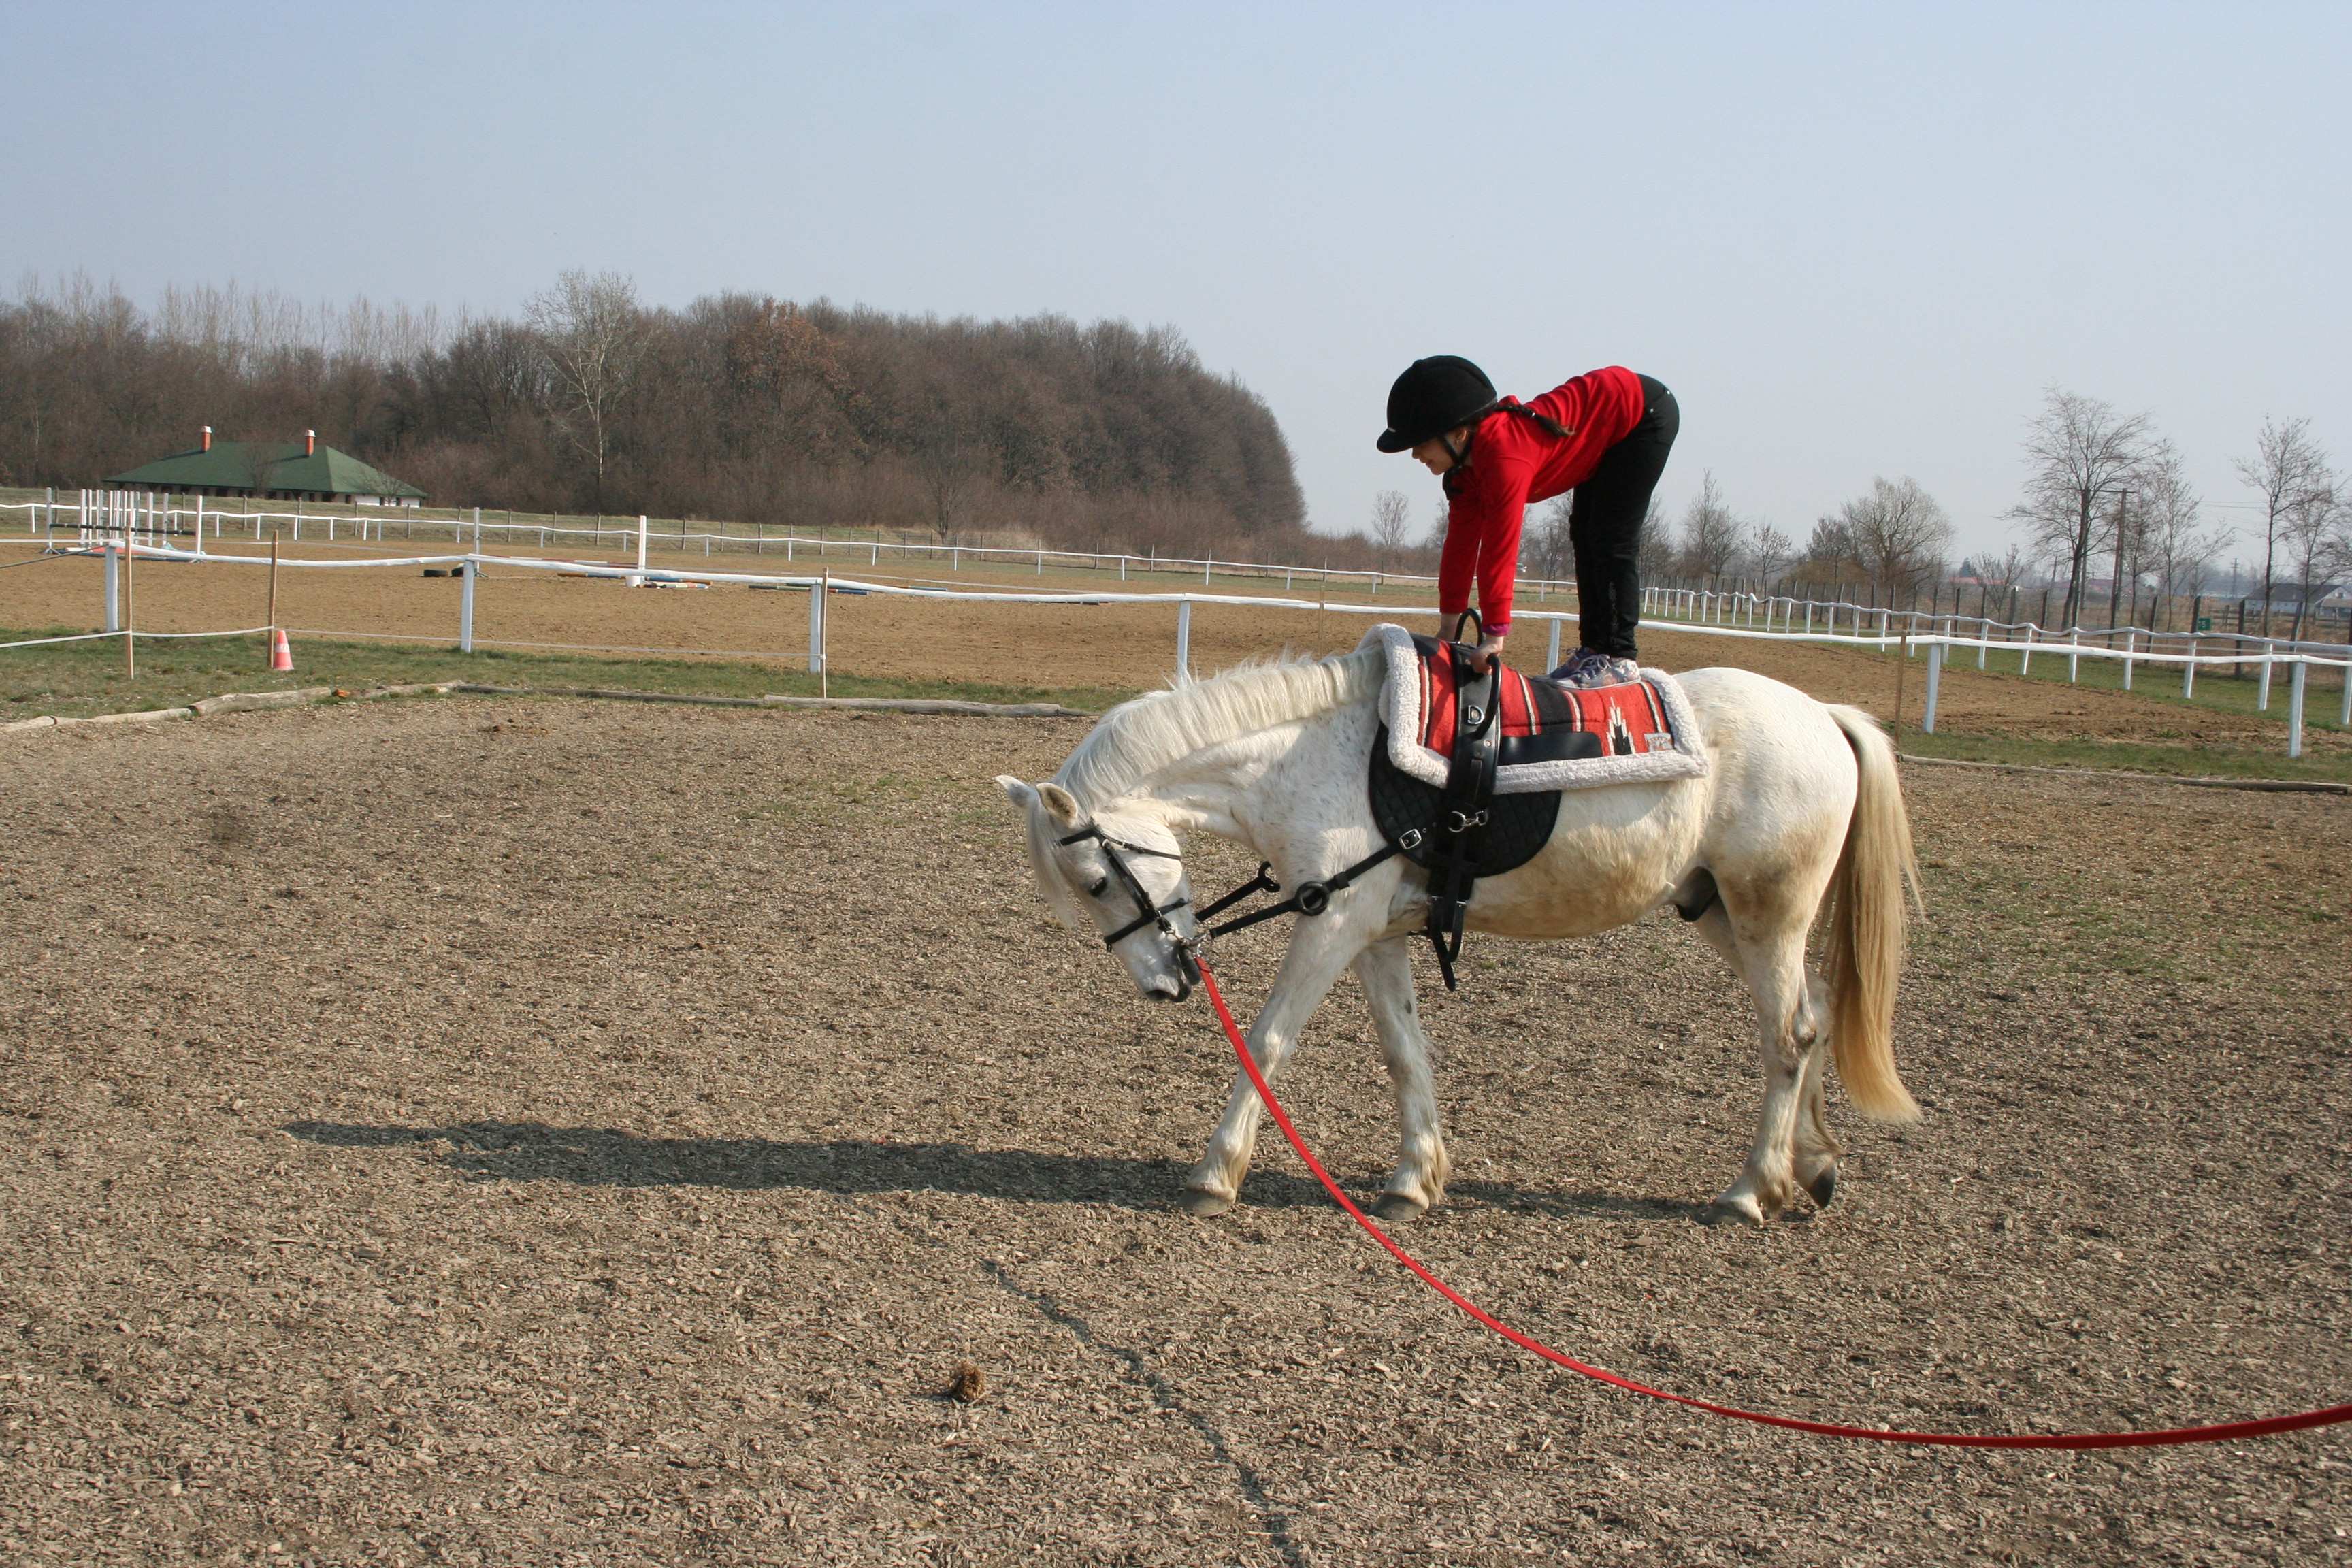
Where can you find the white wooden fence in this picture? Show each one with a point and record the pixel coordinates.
(2299, 661)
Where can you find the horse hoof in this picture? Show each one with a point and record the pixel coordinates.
(1734, 1211)
(1400, 1208)
(1823, 1187)
(1203, 1205)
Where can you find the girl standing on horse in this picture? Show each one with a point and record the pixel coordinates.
(1604, 435)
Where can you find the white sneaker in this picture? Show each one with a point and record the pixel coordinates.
(1593, 667)
(1579, 669)
(1620, 672)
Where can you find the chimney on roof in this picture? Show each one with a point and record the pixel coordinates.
(309, 443)
(208, 438)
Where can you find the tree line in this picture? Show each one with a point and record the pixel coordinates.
(738, 406)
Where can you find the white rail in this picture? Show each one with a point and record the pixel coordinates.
(156, 518)
(2299, 661)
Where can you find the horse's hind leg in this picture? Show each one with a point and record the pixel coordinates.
(1320, 950)
(1385, 971)
(1817, 1147)
(1771, 961)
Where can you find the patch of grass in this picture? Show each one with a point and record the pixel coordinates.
(2190, 757)
(75, 679)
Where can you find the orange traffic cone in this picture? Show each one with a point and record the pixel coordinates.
(281, 656)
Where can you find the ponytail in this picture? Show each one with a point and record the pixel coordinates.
(1543, 422)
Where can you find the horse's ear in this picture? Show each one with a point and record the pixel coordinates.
(1060, 804)
(1015, 791)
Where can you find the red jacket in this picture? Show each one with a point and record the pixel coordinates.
(1514, 460)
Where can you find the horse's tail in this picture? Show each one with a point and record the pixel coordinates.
(1865, 919)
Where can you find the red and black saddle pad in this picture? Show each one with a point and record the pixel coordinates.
(1543, 721)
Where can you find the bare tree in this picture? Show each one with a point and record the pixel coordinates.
(1441, 518)
(1549, 552)
(2287, 467)
(2077, 450)
(1772, 552)
(1654, 555)
(1392, 518)
(1898, 534)
(593, 335)
(2172, 545)
(1713, 538)
(951, 466)
(2313, 531)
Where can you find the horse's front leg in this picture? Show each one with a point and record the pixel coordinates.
(1320, 949)
(1385, 971)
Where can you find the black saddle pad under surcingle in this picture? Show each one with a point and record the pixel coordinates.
(1517, 827)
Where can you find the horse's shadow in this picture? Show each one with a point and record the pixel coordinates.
(601, 1157)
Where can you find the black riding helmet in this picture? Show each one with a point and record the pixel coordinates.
(1435, 395)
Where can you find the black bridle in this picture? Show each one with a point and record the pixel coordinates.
(1311, 899)
(1146, 911)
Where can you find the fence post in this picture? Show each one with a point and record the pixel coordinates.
(1207, 566)
(2263, 701)
(113, 590)
(816, 627)
(1935, 684)
(2189, 670)
(1122, 568)
(49, 517)
(1551, 655)
(1041, 563)
(1984, 641)
(2025, 659)
(478, 531)
(2073, 660)
(639, 580)
(1183, 640)
(2343, 717)
(2295, 708)
(473, 568)
(2131, 646)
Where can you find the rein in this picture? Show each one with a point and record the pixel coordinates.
(2168, 1437)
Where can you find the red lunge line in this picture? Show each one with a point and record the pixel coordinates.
(2215, 1433)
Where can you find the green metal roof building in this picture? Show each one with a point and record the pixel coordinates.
(292, 469)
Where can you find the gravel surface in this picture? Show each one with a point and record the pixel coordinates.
(493, 1132)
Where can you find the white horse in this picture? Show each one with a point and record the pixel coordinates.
(1799, 815)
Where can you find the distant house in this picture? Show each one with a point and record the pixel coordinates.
(284, 470)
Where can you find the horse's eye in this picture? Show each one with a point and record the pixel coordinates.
(1097, 889)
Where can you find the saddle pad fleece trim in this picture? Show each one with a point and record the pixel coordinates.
(1410, 696)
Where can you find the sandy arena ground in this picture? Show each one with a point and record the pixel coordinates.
(549, 1132)
(1119, 647)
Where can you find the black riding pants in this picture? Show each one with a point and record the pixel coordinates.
(1604, 526)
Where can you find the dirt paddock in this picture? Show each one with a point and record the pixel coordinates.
(531, 1132)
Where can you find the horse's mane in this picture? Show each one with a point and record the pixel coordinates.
(1137, 739)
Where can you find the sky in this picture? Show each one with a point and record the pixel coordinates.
(1856, 240)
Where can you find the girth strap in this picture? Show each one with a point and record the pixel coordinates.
(1463, 808)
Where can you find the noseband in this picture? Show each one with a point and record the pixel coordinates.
(1311, 899)
(1146, 911)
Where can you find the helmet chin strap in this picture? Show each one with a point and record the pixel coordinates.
(1459, 453)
